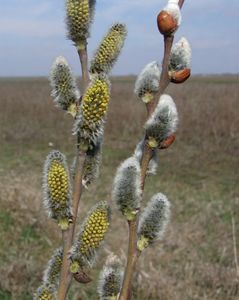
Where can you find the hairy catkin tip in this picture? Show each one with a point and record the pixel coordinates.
(94, 106)
(173, 8)
(110, 280)
(153, 221)
(45, 292)
(126, 189)
(52, 272)
(147, 83)
(109, 49)
(64, 88)
(163, 122)
(180, 57)
(79, 16)
(57, 189)
(91, 236)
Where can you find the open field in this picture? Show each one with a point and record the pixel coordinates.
(199, 174)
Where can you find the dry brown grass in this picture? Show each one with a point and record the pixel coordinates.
(199, 174)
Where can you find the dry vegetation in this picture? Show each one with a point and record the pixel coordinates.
(199, 174)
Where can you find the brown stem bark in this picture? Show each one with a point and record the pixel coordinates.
(68, 235)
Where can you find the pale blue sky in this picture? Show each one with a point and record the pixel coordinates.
(32, 34)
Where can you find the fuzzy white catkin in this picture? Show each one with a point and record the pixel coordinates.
(64, 90)
(148, 80)
(154, 220)
(164, 120)
(173, 9)
(110, 279)
(126, 189)
(180, 55)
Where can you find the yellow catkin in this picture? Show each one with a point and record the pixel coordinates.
(78, 19)
(95, 102)
(58, 182)
(109, 49)
(94, 230)
(45, 293)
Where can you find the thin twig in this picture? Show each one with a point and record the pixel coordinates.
(235, 245)
(133, 253)
(68, 235)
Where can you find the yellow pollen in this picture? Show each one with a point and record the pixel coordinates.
(58, 182)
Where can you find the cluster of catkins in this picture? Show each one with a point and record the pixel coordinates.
(89, 112)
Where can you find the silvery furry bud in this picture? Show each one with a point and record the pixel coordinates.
(163, 122)
(153, 164)
(110, 279)
(180, 55)
(45, 292)
(109, 49)
(79, 16)
(90, 238)
(126, 189)
(153, 221)
(147, 83)
(52, 272)
(94, 106)
(57, 189)
(63, 85)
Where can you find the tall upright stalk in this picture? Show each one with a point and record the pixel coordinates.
(133, 253)
(68, 236)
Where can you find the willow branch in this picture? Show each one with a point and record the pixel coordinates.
(133, 253)
(68, 235)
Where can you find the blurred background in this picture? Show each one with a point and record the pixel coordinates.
(199, 173)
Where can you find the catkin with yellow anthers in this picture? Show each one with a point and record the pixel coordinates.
(45, 292)
(109, 50)
(64, 88)
(110, 280)
(163, 122)
(57, 189)
(52, 272)
(127, 192)
(153, 221)
(94, 106)
(90, 237)
(79, 16)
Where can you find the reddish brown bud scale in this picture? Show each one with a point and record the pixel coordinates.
(82, 277)
(180, 76)
(168, 142)
(166, 23)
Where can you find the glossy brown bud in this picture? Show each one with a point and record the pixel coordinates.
(180, 76)
(166, 23)
(168, 142)
(82, 277)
